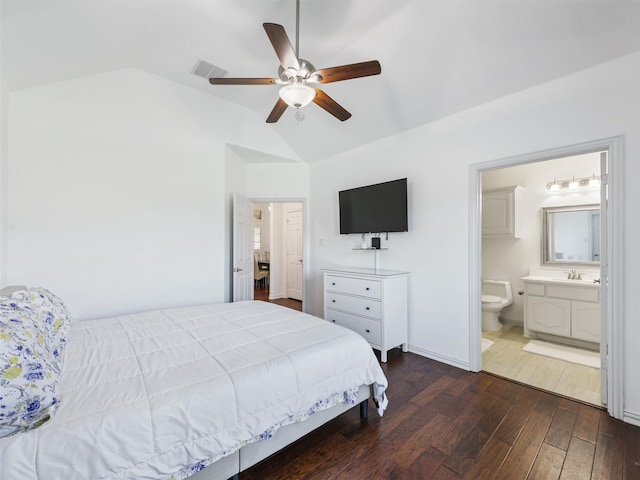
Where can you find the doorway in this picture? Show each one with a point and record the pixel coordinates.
(611, 301)
(278, 250)
(557, 363)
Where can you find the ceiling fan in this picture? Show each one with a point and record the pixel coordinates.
(296, 74)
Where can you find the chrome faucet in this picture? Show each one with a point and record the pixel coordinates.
(573, 275)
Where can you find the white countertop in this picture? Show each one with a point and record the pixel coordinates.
(561, 281)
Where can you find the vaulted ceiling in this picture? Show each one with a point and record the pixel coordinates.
(438, 57)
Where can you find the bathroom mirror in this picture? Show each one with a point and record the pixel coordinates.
(571, 235)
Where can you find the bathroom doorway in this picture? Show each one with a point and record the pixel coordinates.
(556, 363)
(512, 253)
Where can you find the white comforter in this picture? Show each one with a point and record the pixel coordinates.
(145, 395)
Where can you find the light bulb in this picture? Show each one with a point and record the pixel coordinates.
(574, 184)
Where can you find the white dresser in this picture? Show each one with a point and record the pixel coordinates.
(370, 302)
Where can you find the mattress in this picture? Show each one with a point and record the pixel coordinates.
(162, 394)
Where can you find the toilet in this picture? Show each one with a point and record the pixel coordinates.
(496, 294)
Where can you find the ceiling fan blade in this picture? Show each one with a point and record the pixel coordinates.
(242, 81)
(277, 111)
(346, 72)
(330, 105)
(282, 45)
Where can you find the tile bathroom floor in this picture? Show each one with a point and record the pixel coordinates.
(506, 359)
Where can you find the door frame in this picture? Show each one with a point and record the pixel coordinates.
(305, 239)
(615, 244)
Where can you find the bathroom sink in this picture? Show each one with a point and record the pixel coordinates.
(539, 278)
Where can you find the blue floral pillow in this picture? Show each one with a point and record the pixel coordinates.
(33, 327)
(51, 312)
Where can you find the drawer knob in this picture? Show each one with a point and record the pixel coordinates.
(333, 321)
(333, 283)
(366, 308)
(368, 331)
(333, 301)
(367, 289)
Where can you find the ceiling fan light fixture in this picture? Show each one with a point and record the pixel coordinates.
(297, 95)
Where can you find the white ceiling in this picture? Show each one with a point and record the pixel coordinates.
(438, 57)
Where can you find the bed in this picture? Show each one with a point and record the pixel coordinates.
(202, 392)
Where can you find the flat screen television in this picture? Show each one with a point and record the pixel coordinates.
(378, 208)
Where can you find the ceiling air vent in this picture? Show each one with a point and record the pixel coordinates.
(208, 70)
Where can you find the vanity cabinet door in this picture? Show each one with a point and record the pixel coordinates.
(585, 321)
(548, 315)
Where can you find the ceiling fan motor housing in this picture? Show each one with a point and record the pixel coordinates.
(293, 75)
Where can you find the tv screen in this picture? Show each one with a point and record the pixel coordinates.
(375, 208)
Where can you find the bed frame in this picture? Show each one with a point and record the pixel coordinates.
(230, 466)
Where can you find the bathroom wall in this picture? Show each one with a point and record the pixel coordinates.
(512, 258)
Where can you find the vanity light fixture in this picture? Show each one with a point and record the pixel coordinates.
(594, 181)
(574, 184)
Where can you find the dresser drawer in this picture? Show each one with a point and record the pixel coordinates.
(354, 286)
(359, 306)
(369, 329)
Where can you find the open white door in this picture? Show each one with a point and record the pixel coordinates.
(242, 248)
(294, 254)
(604, 284)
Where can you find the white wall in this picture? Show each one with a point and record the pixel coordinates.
(510, 259)
(116, 194)
(4, 154)
(598, 103)
(281, 181)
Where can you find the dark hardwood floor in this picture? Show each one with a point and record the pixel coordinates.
(261, 292)
(445, 423)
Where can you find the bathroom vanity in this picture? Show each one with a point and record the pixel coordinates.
(566, 311)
